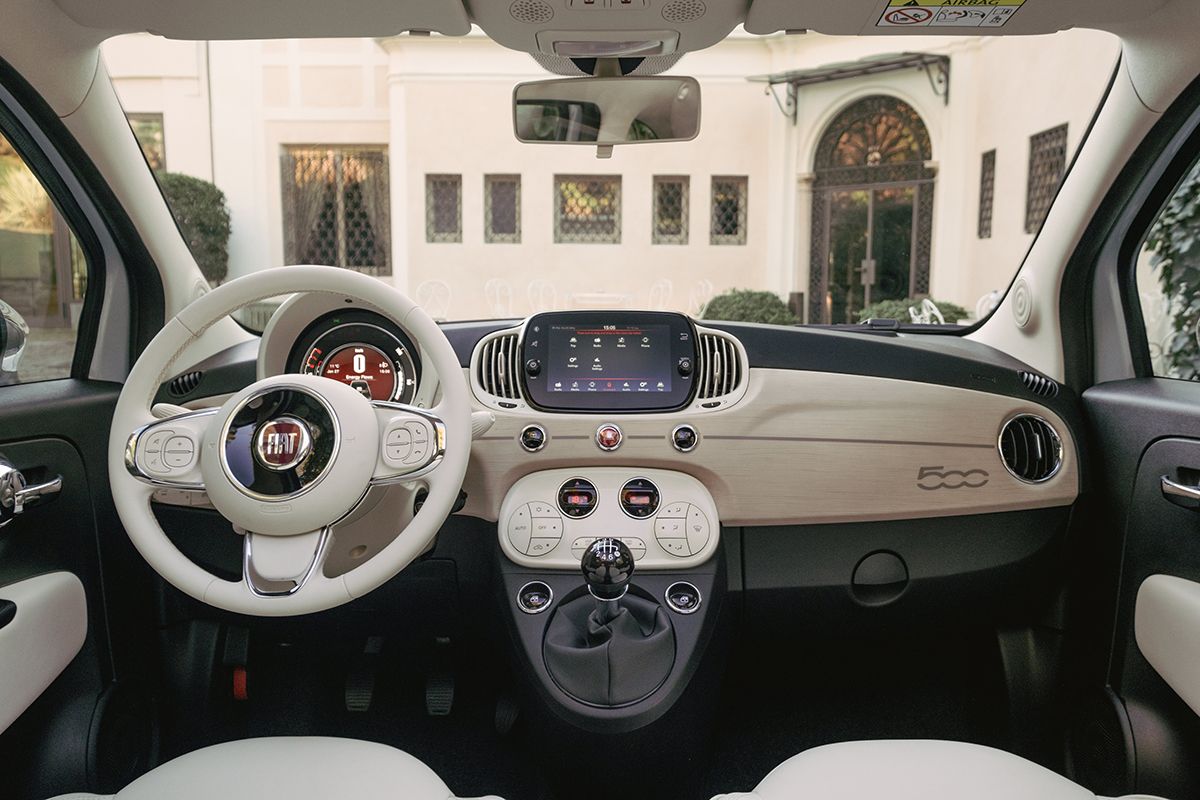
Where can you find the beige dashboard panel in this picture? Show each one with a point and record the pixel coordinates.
(803, 447)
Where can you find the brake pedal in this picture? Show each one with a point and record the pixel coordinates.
(360, 681)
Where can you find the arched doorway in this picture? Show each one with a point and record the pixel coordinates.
(872, 216)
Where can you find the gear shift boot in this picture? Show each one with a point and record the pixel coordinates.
(610, 663)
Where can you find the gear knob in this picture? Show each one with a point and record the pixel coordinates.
(607, 566)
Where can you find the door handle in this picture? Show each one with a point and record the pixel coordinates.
(16, 494)
(1181, 494)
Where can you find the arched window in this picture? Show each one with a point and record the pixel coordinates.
(872, 209)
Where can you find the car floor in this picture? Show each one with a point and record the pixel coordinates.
(778, 699)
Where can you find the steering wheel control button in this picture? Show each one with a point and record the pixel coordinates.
(179, 452)
(282, 443)
(639, 498)
(156, 440)
(608, 437)
(533, 438)
(578, 498)
(534, 597)
(684, 438)
(397, 446)
(683, 597)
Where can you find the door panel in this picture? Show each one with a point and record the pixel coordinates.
(1143, 430)
(46, 630)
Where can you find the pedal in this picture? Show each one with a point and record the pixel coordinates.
(360, 681)
(439, 678)
(439, 695)
(507, 712)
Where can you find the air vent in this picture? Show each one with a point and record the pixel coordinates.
(497, 368)
(1039, 384)
(1031, 449)
(719, 371)
(683, 10)
(185, 384)
(532, 12)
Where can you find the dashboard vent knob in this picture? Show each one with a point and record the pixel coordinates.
(1030, 448)
(1039, 384)
(497, 370)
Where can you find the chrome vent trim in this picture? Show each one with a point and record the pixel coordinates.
(1039, 384)
(497, 365)
(185, 384)
(720, 366)
(1032, 451)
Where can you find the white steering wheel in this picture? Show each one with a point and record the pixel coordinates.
(289, 456)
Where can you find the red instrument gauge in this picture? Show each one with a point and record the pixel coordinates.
(365, 368)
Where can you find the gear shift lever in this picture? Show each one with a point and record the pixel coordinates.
(607, 566)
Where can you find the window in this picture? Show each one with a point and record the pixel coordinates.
(670, 210)
(1047, 163)
(728, 209)
(987, 192)
(43, 278)
(148, 128)
(502, 209)
(587, 209)
(336, 208)
(1168, 284)
(443, 208)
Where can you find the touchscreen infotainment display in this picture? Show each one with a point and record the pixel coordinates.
(608, 360)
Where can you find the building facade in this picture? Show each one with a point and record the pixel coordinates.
(833, 172)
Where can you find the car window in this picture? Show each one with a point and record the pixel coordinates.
(833, 179)
(43, 278)
(1168, 283)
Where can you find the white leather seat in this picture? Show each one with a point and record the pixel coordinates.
(296, 768)
(911, 770)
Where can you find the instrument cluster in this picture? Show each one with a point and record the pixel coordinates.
(363, 350)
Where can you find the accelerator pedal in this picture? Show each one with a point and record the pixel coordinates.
(439, 682)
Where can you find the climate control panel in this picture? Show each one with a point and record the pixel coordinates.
(668, 519)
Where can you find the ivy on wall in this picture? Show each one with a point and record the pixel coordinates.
(1174, 247)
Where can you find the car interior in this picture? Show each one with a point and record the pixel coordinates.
(367, 553)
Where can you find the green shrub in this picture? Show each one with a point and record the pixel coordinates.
(1174, 243)
(746, 305)
(898, 310)
(203, 219)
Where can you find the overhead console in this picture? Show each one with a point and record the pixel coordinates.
(609, 361)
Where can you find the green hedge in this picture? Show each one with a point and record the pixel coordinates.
(203, 219)
(898, 310)
(747, 305)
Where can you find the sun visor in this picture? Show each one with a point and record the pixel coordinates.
(269, 19)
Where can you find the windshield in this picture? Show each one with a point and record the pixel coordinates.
(833, 179)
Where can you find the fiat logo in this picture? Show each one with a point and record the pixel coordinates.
(282, 443)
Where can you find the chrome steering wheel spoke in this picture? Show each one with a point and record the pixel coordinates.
(167, 453)
(412, 442)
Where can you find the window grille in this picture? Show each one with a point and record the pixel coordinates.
(987, 191)
(443, 208)
(1047, 163)
(502, 209)
(670, 210)
(587, 209)
(336, 208)
(728, 209)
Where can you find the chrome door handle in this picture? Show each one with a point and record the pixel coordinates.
(1181, 494)
(16, 494)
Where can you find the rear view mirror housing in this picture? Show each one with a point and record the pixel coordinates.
(604, 112)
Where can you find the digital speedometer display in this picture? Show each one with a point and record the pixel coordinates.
(364, 367)
(362, 350)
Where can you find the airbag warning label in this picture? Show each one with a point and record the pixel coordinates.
(948, 13)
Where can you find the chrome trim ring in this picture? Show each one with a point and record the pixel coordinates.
(263, 444)
(695, 437)
(1058, 447)
(677, 609)
(609, 448)
(549, 602)
(657, 495)
(521, 438)
(558, 496)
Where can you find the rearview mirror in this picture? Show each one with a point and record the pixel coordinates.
(607, 111)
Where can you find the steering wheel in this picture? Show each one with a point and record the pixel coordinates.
(289, 456)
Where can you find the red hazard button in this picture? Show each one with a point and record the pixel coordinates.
(608, 437)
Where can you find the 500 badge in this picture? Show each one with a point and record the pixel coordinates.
(932, 478)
